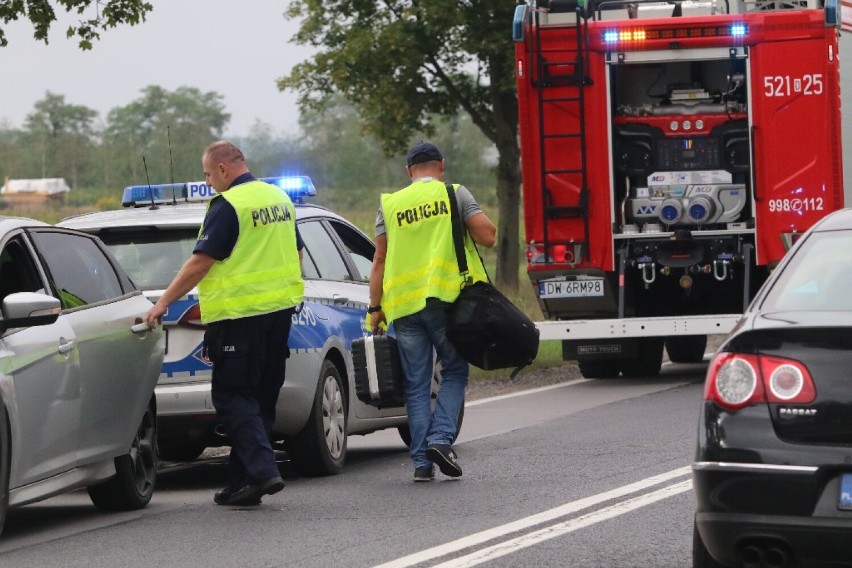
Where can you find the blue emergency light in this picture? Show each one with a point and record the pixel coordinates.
(297, 187)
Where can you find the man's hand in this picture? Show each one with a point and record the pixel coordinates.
(376, 321)
(154, 317)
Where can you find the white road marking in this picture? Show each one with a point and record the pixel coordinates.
(559, 529)
(526, 392)
(539, 518)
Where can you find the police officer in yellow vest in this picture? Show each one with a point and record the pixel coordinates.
(247, 266)
(414, 280)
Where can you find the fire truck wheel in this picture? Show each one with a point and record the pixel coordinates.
(598, 368)
(649, 360)
(686, 349)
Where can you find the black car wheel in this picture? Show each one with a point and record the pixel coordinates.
(320, 448)
(135, 472)
(649, 360)
(686, 349)
(5, 465)
(599, 368)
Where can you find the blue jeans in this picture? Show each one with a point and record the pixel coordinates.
(417, 335)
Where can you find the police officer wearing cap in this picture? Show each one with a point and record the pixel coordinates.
(414, 281)
(247, 266)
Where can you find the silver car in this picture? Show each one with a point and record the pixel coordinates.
(77, 371)
(317, 409)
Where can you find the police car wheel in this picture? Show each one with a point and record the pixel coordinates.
(135, 472)
(320, 448)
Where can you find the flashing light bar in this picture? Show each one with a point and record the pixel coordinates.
(611, 37)
(297, 187)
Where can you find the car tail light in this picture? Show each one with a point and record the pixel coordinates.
(191, 318)
(787, 381)
(737, 380)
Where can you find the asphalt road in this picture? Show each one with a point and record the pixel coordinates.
(588, 473)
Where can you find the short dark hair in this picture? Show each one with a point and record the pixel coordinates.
(424, 152)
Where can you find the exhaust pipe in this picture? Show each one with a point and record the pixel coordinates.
(765, 555)
(751, 556)
(219, 430)
(776, 557)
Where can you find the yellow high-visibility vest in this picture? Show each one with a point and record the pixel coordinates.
(421, 260)
(263, 273)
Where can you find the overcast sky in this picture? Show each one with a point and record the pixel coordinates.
(237, 49)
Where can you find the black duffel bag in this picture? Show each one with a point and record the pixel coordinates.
(483, 324)
(489, 331)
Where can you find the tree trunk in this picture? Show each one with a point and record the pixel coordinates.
(508, 189)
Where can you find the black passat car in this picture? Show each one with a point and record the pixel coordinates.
(773, 466)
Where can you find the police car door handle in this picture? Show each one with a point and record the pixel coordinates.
(338, 299)
(65, 346)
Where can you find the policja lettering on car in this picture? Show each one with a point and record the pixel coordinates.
(421, 212)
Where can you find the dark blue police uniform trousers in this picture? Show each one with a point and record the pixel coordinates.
(249, 356)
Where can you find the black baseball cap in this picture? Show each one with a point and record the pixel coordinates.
(424, 152)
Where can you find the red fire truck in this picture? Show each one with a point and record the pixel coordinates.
(671, 154)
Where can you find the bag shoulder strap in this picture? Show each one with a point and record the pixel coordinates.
(458, 230)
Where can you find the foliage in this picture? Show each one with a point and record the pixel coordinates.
(401, 63)
(168, 129)
(107, 14)
(64, 135)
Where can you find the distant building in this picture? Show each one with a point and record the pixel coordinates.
(22, 191)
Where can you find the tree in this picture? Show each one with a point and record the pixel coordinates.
(168, 128)
(107, 14)
(403, 62)
(64, 134)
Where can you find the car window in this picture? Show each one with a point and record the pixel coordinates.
(17, 269)
(153, 257)
(323, 252)
(818, 277)
(80, 270)
(359, 248)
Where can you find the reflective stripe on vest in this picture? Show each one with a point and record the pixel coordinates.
(421, 260)
(263, 273)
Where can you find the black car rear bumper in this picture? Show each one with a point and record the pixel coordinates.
(745, 511)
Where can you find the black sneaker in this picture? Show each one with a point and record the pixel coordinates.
(425, 473)
(445, 457)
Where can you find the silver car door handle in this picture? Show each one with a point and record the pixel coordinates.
(66, 346)
(338, 299)
(141, 327)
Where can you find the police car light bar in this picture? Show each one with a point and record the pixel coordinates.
(297, 187)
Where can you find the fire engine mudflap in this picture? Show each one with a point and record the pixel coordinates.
(671, 154)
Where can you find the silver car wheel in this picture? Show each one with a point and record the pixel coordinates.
(143, 455)
(333, 417)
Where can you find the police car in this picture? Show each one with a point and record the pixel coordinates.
(156, 232)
